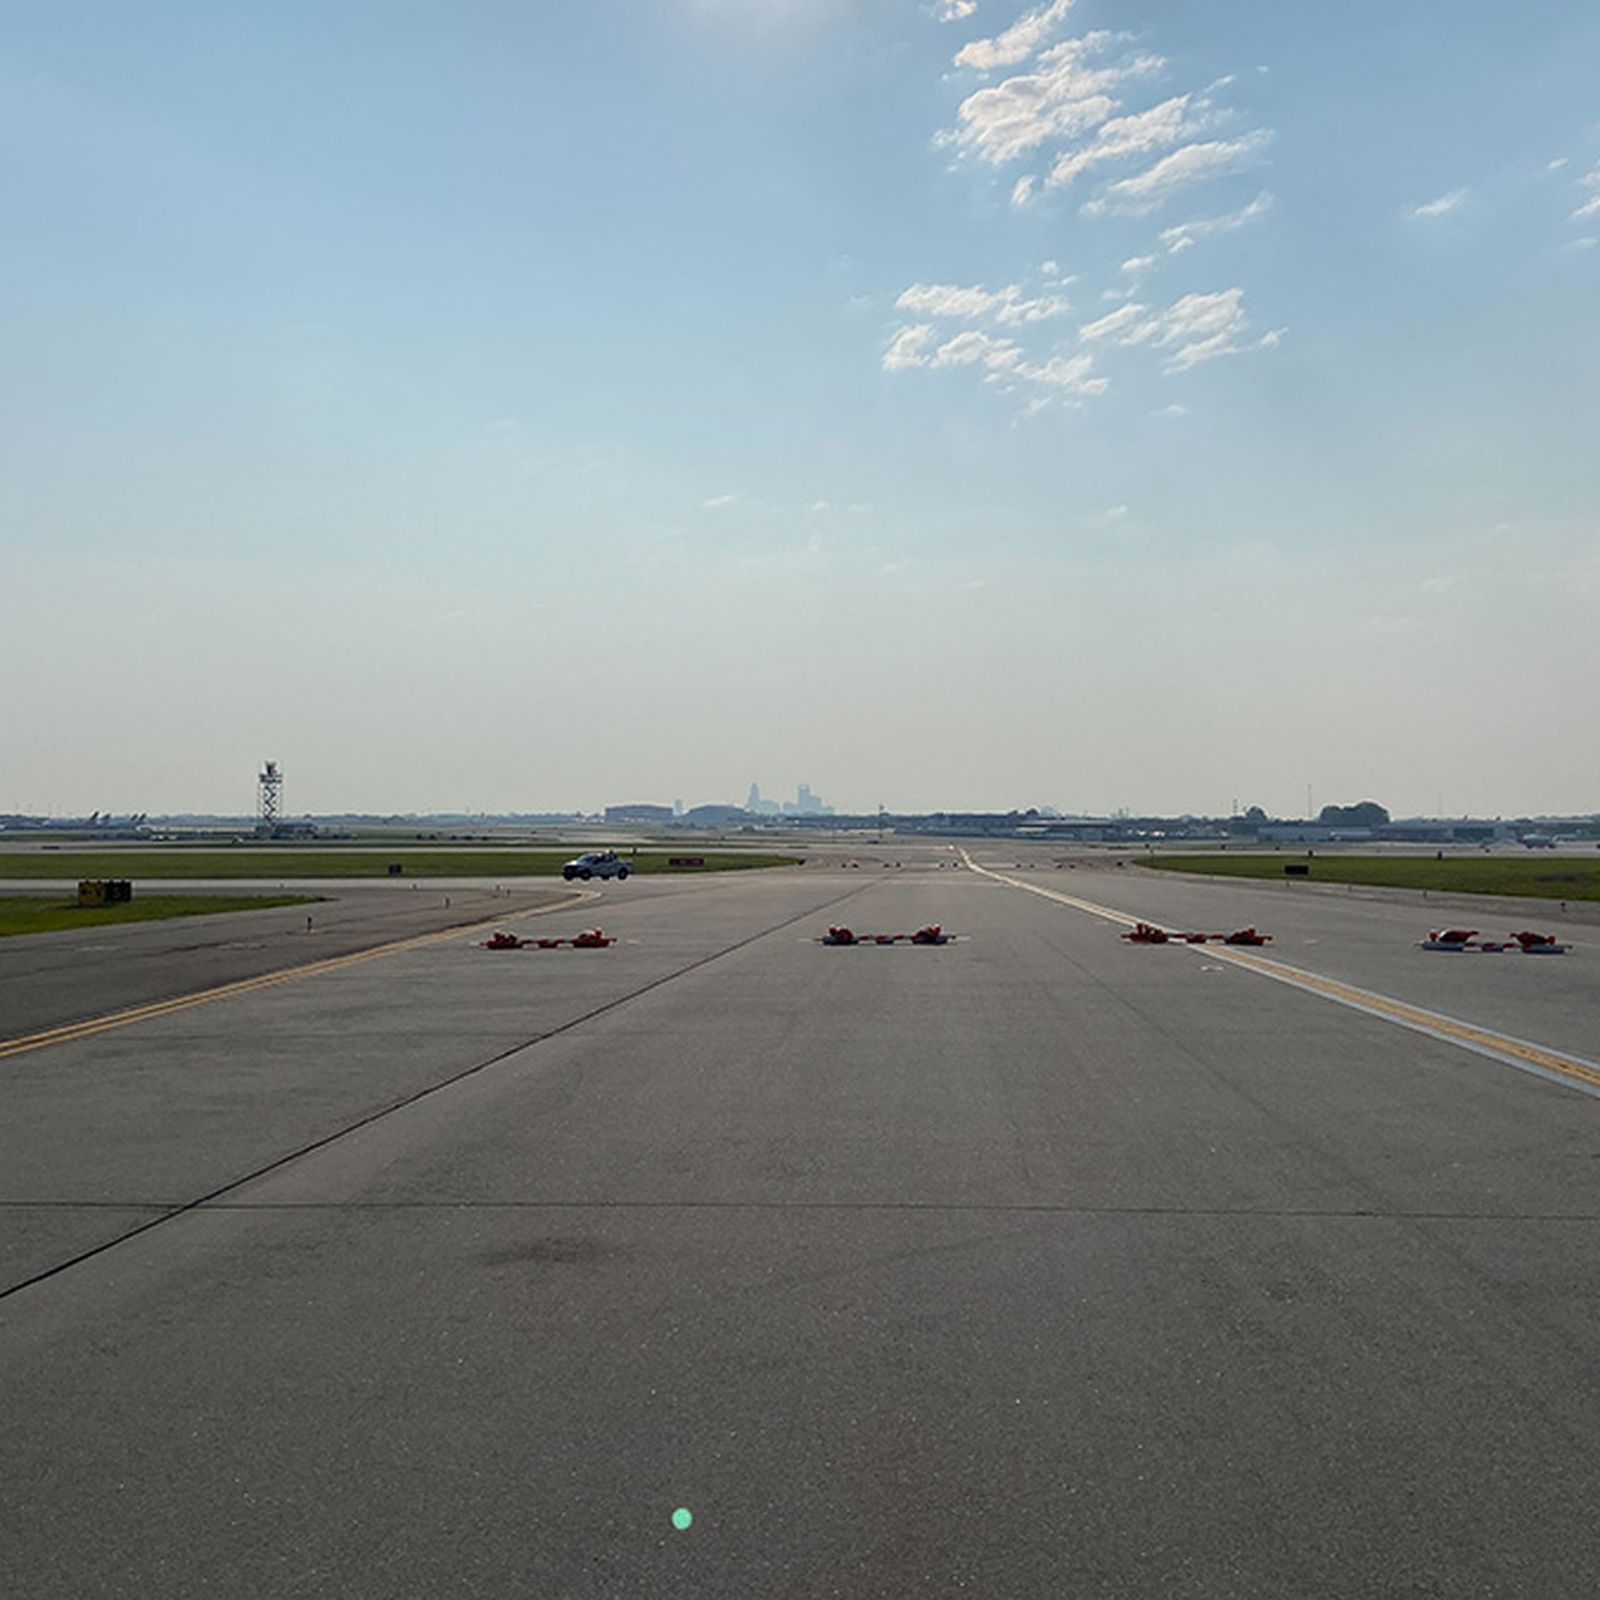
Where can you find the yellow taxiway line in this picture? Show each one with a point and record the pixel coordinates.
(226, 991)
(1571, 1070)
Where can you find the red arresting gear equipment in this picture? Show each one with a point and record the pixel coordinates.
(589, 939)
(1525, 943)
(1148, 933)
(932, 934)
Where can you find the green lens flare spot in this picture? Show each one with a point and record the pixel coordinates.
(681, 1518)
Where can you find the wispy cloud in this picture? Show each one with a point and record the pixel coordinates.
(1194, 329)
(1008, 307)
(1138, 264)
(1018, 42)
(972, 347)
(1001, 361)
(955, 10)
(1022, 190)
(1117, 322)
(909, 347)
(1591, 206)
(1441, 207)
(1066, 96)
(1141, 134)
(1182, 169)
(1185, 234)
(717, 501)
(1070, 374)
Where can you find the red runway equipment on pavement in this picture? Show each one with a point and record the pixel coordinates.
(1148, 933)
(589, 939)
(932, 934)
(1466, 941)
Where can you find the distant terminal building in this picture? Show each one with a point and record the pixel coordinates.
(717, 816)
(1416, 830)
(1446, 830)
(1308, 833)
(639, 813)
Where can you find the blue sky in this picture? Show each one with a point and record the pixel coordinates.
(509, 406)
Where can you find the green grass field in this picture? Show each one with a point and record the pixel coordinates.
(37, 913)
(1540, 876)
(297, 861)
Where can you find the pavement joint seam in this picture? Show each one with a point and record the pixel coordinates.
(928, 1207)
(931, 1207)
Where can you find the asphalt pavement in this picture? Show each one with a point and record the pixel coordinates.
(1037, 1263)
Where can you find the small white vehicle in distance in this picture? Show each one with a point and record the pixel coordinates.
(596, 864)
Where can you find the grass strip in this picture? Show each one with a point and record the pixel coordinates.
(1541, 877)
(34, 913)
(331, 862)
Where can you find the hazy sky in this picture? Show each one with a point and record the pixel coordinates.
(525, 404)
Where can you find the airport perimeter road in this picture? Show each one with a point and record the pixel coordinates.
(1035, 1264)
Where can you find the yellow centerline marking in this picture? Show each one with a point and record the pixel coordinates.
(1573, 1070)
(267, 980)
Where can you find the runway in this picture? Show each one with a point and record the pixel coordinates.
(1033, 1264)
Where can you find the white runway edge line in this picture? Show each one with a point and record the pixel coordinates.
(1572, 1072)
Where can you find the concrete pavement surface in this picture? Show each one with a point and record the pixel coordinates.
(1033, 1264)
(1372, 943)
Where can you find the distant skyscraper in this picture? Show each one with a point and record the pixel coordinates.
(753, 801)
(677, 808)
